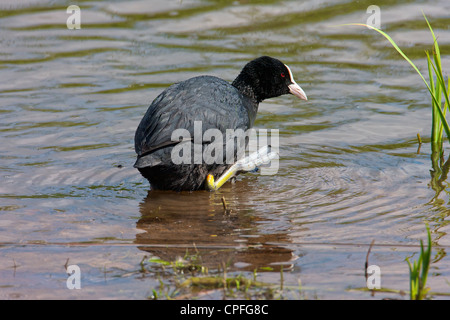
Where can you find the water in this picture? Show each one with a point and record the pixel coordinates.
(350, 171)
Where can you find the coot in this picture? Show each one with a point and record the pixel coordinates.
(195, 106)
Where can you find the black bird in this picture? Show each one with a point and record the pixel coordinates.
(216, 104)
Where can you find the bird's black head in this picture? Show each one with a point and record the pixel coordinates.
(267, 77)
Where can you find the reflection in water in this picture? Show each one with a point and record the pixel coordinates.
(439, 173)
(174, 223)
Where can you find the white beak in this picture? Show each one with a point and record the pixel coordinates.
(294, 88)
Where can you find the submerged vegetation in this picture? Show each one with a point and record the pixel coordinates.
(188, 278)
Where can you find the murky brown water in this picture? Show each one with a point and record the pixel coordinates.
(350, 170)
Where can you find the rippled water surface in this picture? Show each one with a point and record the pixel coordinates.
(351, 171)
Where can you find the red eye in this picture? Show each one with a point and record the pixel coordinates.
(282, 75)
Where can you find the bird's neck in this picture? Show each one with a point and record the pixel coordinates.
(244, 86)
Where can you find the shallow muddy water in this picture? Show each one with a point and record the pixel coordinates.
(350, 172)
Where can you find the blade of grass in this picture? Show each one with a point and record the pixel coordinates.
(435, 120)
(437, 60)
(441, 81)
(426, 258)
(435, 43)
(437, 126)
(394, 45)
